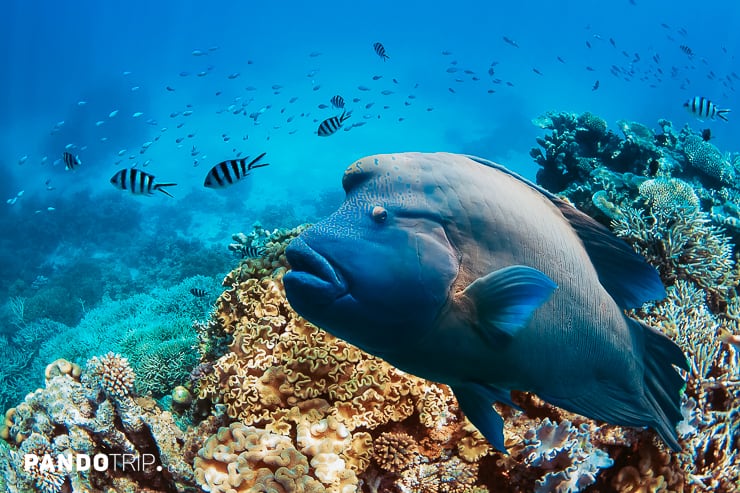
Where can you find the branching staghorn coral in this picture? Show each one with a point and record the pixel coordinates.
(681, 244)
(711, 408)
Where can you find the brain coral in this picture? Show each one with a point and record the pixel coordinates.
(245, 459)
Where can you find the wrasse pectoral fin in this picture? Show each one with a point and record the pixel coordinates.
(506, 298)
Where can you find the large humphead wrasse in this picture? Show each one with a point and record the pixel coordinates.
(456, 270)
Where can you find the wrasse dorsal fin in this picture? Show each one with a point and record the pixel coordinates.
(506, 299)
(626, 276)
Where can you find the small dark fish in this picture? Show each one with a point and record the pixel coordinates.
(561, 60)
(331, 125)
(377, 77)
(687, 50)
(701, 107)
(252, 251)
(70, 161)
(536, 71)
(653, 167)
(596, 86)
(323, 106)
(138, 182)
(706, 134)
(511, 42)
(170, 88)
(380, 50)
(198, 292)
(229, 172)
(613, 43)
(337, 101)
(588, 45)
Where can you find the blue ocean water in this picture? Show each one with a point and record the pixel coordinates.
(175, 87)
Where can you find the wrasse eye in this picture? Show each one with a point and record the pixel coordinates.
(379, 214)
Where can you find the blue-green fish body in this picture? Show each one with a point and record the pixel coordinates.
(456, 270)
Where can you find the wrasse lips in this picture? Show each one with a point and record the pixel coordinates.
(312, 273)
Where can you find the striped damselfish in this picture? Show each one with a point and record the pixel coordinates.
(227, 173)
(701, 107)
(138, 182)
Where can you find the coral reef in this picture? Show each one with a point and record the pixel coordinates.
(681, 213)
(265, 401)
(95, 415)
(596, 169)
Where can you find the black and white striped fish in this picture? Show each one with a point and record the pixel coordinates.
(701, 107)
(138, 182)
(198, 292)
(252, 251)
(331, 125)
(380, 50)
(337, 101)
(229, 172)
(70, 161)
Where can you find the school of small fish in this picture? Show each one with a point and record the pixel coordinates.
(383, 96)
